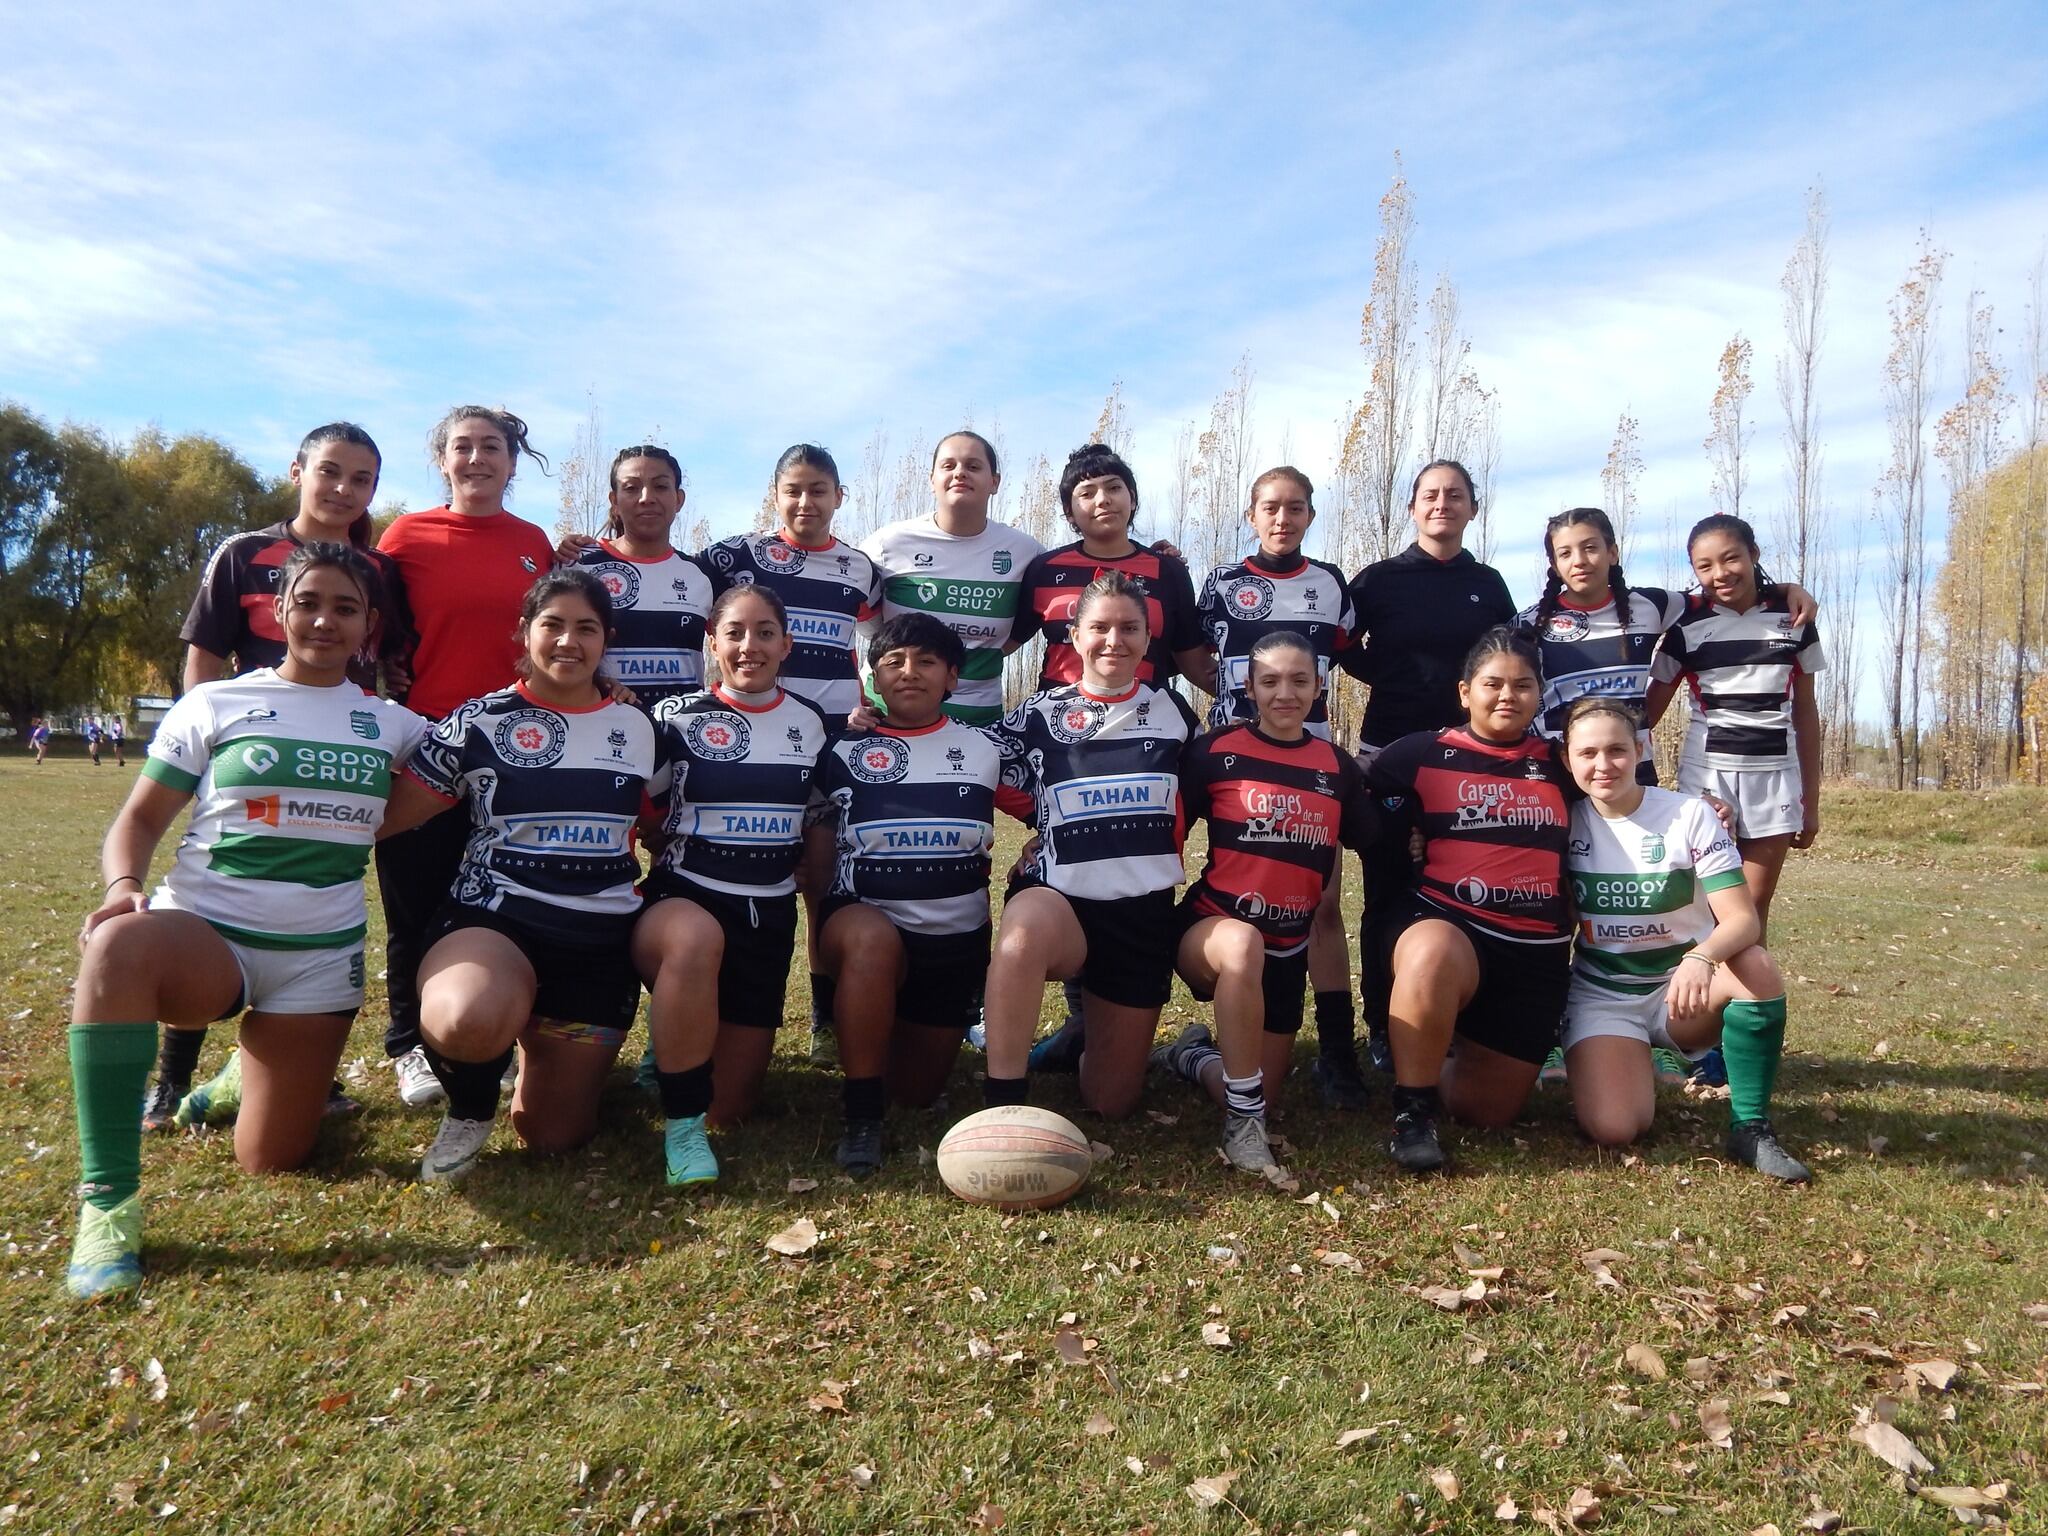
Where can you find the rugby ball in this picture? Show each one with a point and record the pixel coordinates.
(1015, 1158)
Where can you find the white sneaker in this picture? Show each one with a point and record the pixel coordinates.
(455, 1150)
(417, 1086)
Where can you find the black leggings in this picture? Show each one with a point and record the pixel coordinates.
(415, 871)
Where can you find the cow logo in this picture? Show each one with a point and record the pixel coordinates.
(1000, 562)
(1532, 768)
(259, 757)
(717, 738)
(363, 723)
(880, 760)
(622, 581)
(1076, 720)
(1249, 597)
(1653, 848)
(1567, 624)
(530, 738)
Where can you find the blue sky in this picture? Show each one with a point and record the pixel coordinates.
(736, 227)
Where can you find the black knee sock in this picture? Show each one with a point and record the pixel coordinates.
(1426, 1101)
(822, 990)
(684, 1093)
(864, 1098)
(472, 1085)
(997, 1091)
(1335, 1025)
(178, 1058)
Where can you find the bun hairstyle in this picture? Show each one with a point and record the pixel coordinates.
(1553, 583)
(325, 555)
(1735, 527)
(513, 429)
(614, 525)
(987, 447)
(1278, 640)
(1503, 640)
(1594, 707)
(809, 456)
(1091, 461)
(344, 432)
(1113, 584)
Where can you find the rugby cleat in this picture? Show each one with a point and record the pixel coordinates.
(689, 1154)
(106, 1255)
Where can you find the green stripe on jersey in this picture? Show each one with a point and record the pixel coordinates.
(981, 663)
(1625, 988)
(1727, 880)
(1621, 895)
(256, 939)
(279, 762)
(292, 860)
(173, 778)
(1636, 962)
(941, 596)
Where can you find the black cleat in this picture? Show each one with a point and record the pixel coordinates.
(1755, 1143)
(1414, 1146)
(339, 1105)
(161, 1103)
(860, 1147)
(1379, 1050)
(1061, 1050)
(1339, 1082)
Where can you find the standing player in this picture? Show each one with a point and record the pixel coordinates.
(530, 946)
(660, 597)
(289, 770)
(232, 629)
(715, 942)
(467, 567)
(828, 588)
(1281, 803)
(39, 738)
(1753, 740)
(1095, 765)
(961, 568)
(1667, 949)
(92, 738)
(117, 733)
(906, 822)
(1480, 945)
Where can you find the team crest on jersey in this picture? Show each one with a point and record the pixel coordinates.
(622, 581)
(927, 592)
(880, 761)
(796, 738)
(1076, 720)
(1653, 848)
(717, 738)
(1249, 597)
(618, 740)
(530, 738)
(778, 556)
(363, 723)
(1531, 768)
(1567, 624)
(1000, 562)
(958, 758)
(845, 565)
(526, 561)
(1145, 713)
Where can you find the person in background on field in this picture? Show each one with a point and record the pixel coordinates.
(117, 733)
(232, 629)
(39, 739)
(531, 944)
(288, 770)
(92, 738)
(467, 568)
(1282, 804)
(1667, 948)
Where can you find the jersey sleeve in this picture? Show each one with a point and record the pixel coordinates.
(1501, 610)
(1347, 617)
(1029, 622)
(1017, 782)
(1666, 604)
(1716, 862)
(183, 744)
(214, 621)
(871, 595)
(1197, 774)
(1355, 655)
(411, 730)
(1183, 626)
(1811, 658)
(1671, 661)
(1391, 783)
(442, 755)
(1358, 821)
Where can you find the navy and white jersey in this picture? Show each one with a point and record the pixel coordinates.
(553, 795)
(1591, 653)
(1243, 603)
(828, 590)
(732, 792)
(1100, 780)
(658, 613)
(1741, 668)
(915, 817)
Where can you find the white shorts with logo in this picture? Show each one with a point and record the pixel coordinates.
(300, 980)
(1768, 801)
(1591, 1011)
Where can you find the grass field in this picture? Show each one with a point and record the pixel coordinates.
(564, 1346)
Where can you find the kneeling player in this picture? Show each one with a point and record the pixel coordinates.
(904, 930)
(1667, 952)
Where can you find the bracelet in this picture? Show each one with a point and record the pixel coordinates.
(118, 879)
(1693, 954)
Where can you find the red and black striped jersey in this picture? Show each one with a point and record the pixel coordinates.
(1241, 604)
(1495, 823)
(234, 613)
(1278, 813)
(1052, 588)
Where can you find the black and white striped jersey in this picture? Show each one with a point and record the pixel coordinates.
(1739, 668)
(658, 613)
(1243, 603)
(828, 590)
(732, 796)
(1591, 653)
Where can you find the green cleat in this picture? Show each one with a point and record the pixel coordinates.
(690, 1159)
(217, 1100)
(1672, 1068)
(106, 1256)
(1553, 1072)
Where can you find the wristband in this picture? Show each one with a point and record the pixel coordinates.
(1693, 954)
(118, 879)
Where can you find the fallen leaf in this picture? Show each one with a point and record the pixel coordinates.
(802, 1186)
(1768, 1528)
(830, 1397)
(1098, 1424)
(1596, 1261)
(1887, 1444)
(1645, 1361)
(1959, 1498)
(1782, 1399)
(979, 1348)
(989, 1517)
(1339, 1260)
(796, 1239)
(1466, 1254)
(1714, 1420)
(1450, 1298)
(1933, 1373)
(1877, 1144)
(1282, 1180)
(1582, 1508)
(1447, 1484)
(863, 1476)
(1822, 1520)
(1507, 1511)
(159, 1383)
(1070, 1346)
(334, 1402)
(2037, 1311)
(1351, 1437)
(1785, 1315)
(1134, 1466)
(1211, 1491)
(1216, 1335)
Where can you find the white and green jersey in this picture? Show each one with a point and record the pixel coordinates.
(1641, 885)
(289, 785)
(970, 584)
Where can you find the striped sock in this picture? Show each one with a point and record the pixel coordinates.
(1245, 1095)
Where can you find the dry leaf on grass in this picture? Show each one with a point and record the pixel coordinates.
(159, 1383)
(1822, 1520)
(1071, 1347)
(1768, 1528)
(802, 1186)
(1785, 1315)
(2037, 1312)
(830, 1396)
(989, 1517)
(1211, 1491)
(1714, 1421)
(1889, 1445)
(1933, 1373)
(1351, 1437)
(1596, 1261)
(1340, 1260)
(1466, 1254)
(796, 1239)
(1507, 1511)
(1449, 1297)
(1216, 1335)
(1582, 1508)
(1645, 1361)
(1098, 1424)
(1447, 1484)
(1964, 1498)
(863, 1476)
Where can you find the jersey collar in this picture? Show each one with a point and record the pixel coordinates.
(1108, 698)
(739, 701)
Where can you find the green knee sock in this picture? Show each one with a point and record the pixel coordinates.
(109, 1069)
(1752, 1040)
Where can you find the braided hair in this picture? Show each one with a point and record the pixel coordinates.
(1738, 529)
(1553, 583)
